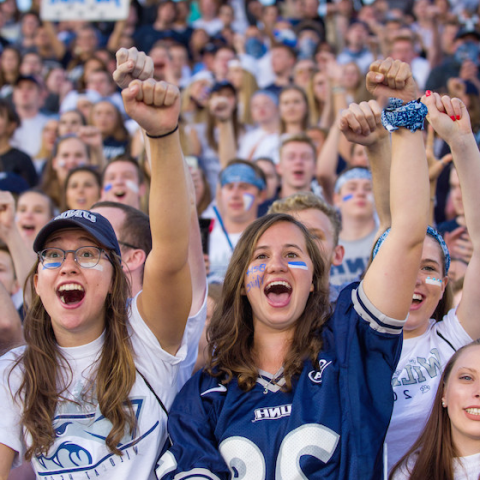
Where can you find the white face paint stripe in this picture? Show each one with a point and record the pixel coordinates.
(248, 199)
(434, 281)
(98, 266)
(132, 186)
(299, 265)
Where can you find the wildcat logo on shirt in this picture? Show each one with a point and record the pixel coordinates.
(273, 413)
(316, 375)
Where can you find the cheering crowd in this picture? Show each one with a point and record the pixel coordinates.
(238, 240)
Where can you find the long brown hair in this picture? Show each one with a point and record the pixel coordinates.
(434, 450)
(43, 384)
(230, 333)
(306, 118)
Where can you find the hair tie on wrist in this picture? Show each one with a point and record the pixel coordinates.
(164, 135)
(411, 115)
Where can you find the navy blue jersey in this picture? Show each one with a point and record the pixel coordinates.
(330, 426)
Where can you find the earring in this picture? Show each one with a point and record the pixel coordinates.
(443, 404)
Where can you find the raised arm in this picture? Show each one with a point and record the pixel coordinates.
(165, 301)
(11, 334)
(390, 280)
(362, 124)
(466, 157)
(222, 110)
(23, 257)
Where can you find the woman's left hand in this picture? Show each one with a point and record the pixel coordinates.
(155, 106)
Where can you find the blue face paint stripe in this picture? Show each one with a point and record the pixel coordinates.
(347, 197)
(299, 265)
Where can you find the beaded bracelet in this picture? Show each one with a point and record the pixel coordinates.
(164, 135)
(411, 115)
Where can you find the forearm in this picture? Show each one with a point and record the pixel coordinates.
(466, 157)
(57, 46)
(169, 200)
(409, 192)
(227, 145)
(23, 257)
(380, 156)
(11, 334)
(327, 162)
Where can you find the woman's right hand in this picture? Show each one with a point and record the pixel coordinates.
(391, 78)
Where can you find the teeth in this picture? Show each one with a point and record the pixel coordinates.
(416, 296)
(473, 411)
(285, 284)
(70, 286)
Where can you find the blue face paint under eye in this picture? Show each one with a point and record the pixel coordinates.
(347, 197)
(52, 265)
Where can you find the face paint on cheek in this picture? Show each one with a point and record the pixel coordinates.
(132, 186)
(346, 198)
(248, 200)
(107, 187)
(98, 267)
(298, 265)
(434, 281)
(255, 276)
(52, 265)
(370, 197)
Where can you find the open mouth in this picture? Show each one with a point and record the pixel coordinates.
(120, 193)
(417, 299)
(71, 293)
(278, 293)
(28, 228)
(473, 411)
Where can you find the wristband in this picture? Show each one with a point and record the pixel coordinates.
(411, 115)
(164, 135)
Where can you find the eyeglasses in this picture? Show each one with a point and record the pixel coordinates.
(86, 257)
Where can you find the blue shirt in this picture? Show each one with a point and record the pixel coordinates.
(330, 426)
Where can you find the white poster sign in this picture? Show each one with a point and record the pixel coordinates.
(91, 10)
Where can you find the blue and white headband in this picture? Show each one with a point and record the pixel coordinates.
(239, 172)
(353, 174)
(430, 231)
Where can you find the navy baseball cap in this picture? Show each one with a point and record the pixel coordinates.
(93, 223)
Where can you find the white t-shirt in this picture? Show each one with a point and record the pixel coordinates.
(416, 380)
(220, 252)
(258, 143)
(464, 468)
(28, 137)
(79, 451)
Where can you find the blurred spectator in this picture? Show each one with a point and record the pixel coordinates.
(123, 182)
(34, 210)
(106, 117)
(69, 152)
(28, 99)
(49, 137)
(11, 159)
(356, 49)
(9, 70)
(264, 140)
(293, 108)
(83, 187)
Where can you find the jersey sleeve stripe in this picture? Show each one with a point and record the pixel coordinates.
(377, 320)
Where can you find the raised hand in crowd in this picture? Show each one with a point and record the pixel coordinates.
(132, 65)
(391, 78)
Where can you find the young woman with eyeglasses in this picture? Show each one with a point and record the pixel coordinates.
(87, 395)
